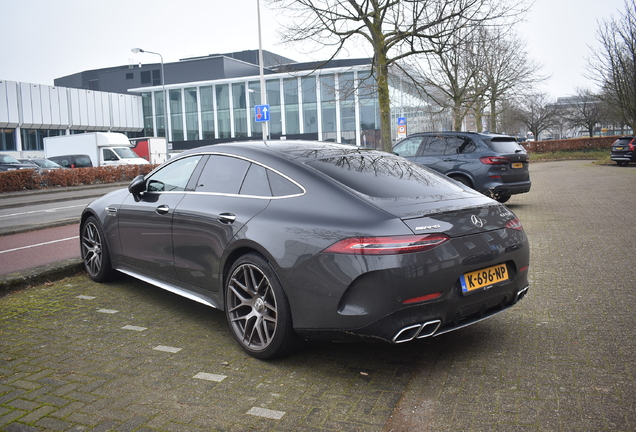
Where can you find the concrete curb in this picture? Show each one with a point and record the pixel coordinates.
(39, 275)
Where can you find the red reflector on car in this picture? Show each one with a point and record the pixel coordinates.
(494, 160)
(387, 245)
(523, 269)
(423, 298)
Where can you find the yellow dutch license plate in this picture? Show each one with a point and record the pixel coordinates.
(618, 148)
(483, 278)
(517, 165)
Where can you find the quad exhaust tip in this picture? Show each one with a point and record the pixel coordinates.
(417, 331)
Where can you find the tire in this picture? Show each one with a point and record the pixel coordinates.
(503, 198)
(94, 250)
(257, 309)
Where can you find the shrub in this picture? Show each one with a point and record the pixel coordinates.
(11, 181)
(574, 144)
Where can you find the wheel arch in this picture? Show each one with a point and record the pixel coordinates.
(459, 176)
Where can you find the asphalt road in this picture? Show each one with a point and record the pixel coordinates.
(75, 355)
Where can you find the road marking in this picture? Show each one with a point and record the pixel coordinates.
(134, 328)
(39, 244)
(267, 413)
(209, 376)
(43, 211)
(167, 349)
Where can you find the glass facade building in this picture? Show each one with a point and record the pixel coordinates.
(335, 104)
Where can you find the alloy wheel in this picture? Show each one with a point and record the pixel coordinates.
(252, 307)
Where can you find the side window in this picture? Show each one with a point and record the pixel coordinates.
(256, 182)
(408, 147)
(222, 174)
(281, 186)
(83, 161)
(434, 146)
(108, 155)
(466, 146)
(452, 145)
(174, 176)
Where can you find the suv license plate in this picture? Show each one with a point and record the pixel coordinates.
(517, 165)
(483, 278)
(618, 148)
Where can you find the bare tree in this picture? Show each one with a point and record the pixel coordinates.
(448, 74)
(537, 113)
(393, 29)
(585, 111)
(506, 69)
(613, 65)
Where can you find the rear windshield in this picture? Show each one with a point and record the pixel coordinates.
(623, 141)
(505, 145)
(384, 176)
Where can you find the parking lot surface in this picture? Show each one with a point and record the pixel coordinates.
(125, 356)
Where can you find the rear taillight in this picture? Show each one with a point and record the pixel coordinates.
(494, 160)
(387, 245)
(515, 224)
(632, 145)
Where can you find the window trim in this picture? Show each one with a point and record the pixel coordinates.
(198, 170)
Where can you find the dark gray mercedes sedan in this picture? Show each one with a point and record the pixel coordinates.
(305, 240)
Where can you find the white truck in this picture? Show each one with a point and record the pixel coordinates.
(103, 148)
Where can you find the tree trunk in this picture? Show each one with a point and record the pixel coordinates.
(458, 116)
(493, 111)
(384, 101)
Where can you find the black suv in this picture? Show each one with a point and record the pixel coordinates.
(624, 150)
(495, 165)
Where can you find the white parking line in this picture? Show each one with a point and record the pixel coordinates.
(42, 211)
(39, 244)
(267, 413)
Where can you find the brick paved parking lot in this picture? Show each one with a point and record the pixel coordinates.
(125, 356)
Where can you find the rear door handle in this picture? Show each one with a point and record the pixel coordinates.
(227, 218)
(162, 209)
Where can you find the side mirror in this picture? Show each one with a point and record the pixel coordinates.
(137, 186)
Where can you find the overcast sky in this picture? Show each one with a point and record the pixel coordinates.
(42, 40)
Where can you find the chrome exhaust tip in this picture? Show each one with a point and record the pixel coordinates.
(521, 294)
(417, 331)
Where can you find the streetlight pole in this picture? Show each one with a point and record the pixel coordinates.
(264, 125)
(165, 97)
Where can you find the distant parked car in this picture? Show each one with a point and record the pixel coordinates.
(495, 165)
(9, 163)
(42, 163)
(624, 150)
(72, 161)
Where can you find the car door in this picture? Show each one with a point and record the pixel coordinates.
(145, 221)
(431, 153)
(229, 192)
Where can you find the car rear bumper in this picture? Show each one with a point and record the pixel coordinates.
(506, 189)
(623, 158)
(383, 298)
